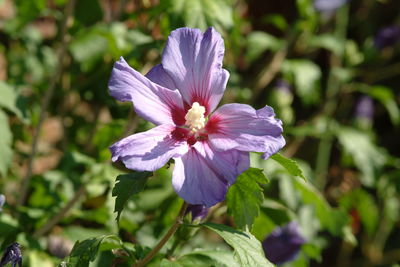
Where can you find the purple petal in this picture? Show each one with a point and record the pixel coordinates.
(150, 150)
(387, 36)
(194, 61)
(199, 212)
(202, 176)
(239, 126)
(159, 76)
(283, 244)
(328, 5)
(153, 102)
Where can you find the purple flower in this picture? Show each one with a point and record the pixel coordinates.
(328, 5)
(365, 108)
(387, 36)
(199, 212)
(283, 243)
(210, 148)
(283, 86)
(12, 255)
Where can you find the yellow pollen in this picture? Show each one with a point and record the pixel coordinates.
(195, 117)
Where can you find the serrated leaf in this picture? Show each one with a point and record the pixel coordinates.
(217, 258)
(5, 144)
(290, 165)
(200, 14)
(126, 186)
(245, 197)
(247, 249)
(87, 250)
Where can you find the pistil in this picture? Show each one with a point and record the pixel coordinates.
(195, 119)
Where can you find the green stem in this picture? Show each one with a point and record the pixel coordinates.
(168, 235)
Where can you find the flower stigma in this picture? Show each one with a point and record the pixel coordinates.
(195, 117)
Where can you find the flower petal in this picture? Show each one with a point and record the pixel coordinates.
(150, 150)
(239, 126)
(194, 61)
(153, 102)
(159, 76)
(202, 176)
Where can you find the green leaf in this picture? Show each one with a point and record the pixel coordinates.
(334, 220)
(87, 250)
(290, 165)
(89, 46)
(385, 96)
(258, 42)
(126, 186)
(218, 258)
(5, 144)
(306, 76)
(365, 204)
(200, 14)
(8, 98)
(247, 249)
(329, 42)
(367, 157)
(245, 197)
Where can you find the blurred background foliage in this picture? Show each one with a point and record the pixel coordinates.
(332, 74)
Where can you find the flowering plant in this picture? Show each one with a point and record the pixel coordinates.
(210, 147)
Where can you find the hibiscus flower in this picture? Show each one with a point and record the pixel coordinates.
(210, 146)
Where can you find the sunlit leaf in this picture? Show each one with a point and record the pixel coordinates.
(334, 220)
(245, 196)
(87, 250)
(247, 249)
(218, 258)
(259, 42)
(290, 165)
(8, 98)
(385, 96)
(367, 157)
(5, 144)
(306, 76)
(126, 186)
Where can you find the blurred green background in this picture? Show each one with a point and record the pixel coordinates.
(332, 76)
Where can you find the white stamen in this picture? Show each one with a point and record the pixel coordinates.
(195, 117)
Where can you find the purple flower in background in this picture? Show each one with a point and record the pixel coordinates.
(12, 255)
(210, 147)
(283, 86)
(283, 244)
(387, 36)
(365, 108)
(328, 5)
(2, 201)
(199, 212)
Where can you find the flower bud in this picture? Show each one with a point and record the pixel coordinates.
(364, 108)
(283, 244)
(199, 212)
(12, 255)
(387, 36)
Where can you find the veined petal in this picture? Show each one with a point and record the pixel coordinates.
(159, 76)
(150, 150)
(194, 61)
(239, 126)
(202, 176)
(153, 102)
